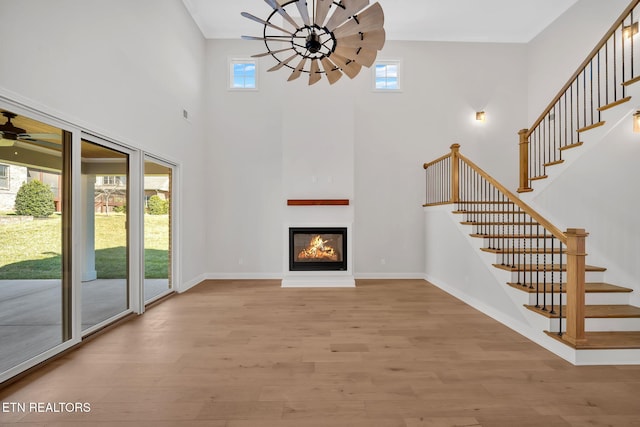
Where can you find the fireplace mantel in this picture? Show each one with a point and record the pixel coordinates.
(318, 202)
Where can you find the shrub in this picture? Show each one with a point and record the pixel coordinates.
(34, 199)
(157, 206)
(120, 209)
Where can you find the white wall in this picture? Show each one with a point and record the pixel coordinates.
(121, 68)
(555, 54)
(392, 134)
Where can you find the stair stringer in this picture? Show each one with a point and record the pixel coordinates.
(449, 244)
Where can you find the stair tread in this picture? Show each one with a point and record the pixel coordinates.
(484, 202)
(570, 146)
(536, 178)
(615, 103)
(589, 287)
(604, 311)
(544, 267)
(511, 236)
(497, 223)
(490, 212)
(613, 340)
(593, 126)
(555, 162)
(524, 251)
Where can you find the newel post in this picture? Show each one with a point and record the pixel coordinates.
(455, 173)
(576, 254)
(524, 161)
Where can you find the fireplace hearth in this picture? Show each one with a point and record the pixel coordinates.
(317, 249)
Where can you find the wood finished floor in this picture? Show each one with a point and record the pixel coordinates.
(385, 354)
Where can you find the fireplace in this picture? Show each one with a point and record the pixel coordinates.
(318, 249)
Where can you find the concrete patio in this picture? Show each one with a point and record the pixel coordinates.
(31, 312)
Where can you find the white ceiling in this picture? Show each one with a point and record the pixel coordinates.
(508, 21)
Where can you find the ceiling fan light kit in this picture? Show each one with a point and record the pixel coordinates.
(331, 39)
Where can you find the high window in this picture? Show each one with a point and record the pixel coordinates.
(387, 76)
(243, 74)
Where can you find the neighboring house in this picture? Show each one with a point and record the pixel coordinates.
(12, 177)
(111, 191)
(156, 186)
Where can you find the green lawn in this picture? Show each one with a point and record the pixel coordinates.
(32, 250)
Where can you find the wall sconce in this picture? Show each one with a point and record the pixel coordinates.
(629, 31)
(481, 116)
(636, 122)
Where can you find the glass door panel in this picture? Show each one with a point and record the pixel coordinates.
(105, 269)
(157, 229)
(34, 261)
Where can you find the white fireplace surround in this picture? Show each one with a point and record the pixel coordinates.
(318, 279)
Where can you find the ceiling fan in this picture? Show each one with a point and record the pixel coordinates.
(10, 134)
(333, 38)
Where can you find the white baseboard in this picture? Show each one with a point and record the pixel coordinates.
(243, 276)
(390, 276)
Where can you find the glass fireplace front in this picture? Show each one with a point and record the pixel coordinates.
(317, 249)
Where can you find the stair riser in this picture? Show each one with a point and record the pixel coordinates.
(521, 259)
(552, 277)
(594, 298)
(615, 324)
(507, 229)
(597, 325)
(521, 243)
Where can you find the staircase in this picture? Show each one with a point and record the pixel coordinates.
(596, 97)
(542, 269)
(539, 274)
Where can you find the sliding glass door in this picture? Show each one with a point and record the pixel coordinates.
(35, 297)
(105, 237)
(86, 235)
(158, 197)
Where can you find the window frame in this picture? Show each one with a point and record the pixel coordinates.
(374, 73)
(5, 177)
(231, 68)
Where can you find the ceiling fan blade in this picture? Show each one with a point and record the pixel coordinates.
(371, 40)
(274, 4)
(263, 22)
(40, 144)
(260, 55)
(298, 71)
(370, 19)
(349, 67)
(362, 56)
(333, 73)
(314, 73)
(322, 9)
(35, 136)
(268, 39)
(282, 63)
(304, 11)
(344, 11)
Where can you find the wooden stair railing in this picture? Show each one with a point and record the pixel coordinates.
(599, 83)
(539, 252)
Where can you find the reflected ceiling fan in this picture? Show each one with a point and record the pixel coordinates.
(10, 134)
(333, 38)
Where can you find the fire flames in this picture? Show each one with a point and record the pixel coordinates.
(318, 250)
